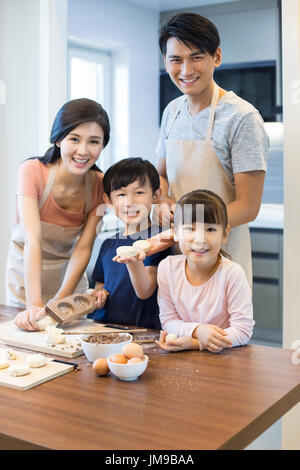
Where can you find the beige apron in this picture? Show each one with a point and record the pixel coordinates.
(193, 164)
(57, 246)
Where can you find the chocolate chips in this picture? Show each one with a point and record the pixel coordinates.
(107, 338)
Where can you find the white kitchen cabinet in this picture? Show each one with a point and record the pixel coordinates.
(267, 260)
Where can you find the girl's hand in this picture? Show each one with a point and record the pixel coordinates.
(161, 241)
(179, 344)
(27, 320)
(141, 255)
(99, 295)
(163, 213)
(212, 337)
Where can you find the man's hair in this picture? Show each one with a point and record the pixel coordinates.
(127, 171)
(191, 29)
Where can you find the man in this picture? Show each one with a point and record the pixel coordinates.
(210, 138)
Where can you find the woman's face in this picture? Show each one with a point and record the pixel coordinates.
(81, 148)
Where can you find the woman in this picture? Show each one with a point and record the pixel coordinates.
(57, 200)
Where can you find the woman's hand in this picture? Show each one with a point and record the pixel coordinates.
(27, 320)
(212, 337)
(179, 344)
(99, 295)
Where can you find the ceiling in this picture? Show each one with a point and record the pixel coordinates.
(164, 5)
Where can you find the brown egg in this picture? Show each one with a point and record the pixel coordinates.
(100, 366)
(118, 358)
(132, 350)
(134, 360)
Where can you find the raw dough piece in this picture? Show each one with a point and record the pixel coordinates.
(17, 370)
(3, 363)
(142, 244)
(36, 360)
(10, 354)
(126, 251)
(46, 321)
(54, 335)
(170, 337)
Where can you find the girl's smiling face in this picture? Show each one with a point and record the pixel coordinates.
(201, 242)
(81, 148)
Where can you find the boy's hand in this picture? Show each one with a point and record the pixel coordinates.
(100, 296)
(212, 337)
(179, 344)
(141, 255)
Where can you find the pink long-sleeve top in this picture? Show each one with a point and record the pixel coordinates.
(224, 300)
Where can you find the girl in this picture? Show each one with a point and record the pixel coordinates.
(204, 298)
(57, 199)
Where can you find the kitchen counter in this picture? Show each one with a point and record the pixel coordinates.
(271, 216)
(234, 397)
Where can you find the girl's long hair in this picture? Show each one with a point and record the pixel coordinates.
(72, 114)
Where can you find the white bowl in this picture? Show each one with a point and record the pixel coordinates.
(128, 371)
(95, 350)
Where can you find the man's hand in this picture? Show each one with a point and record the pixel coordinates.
(163, 213)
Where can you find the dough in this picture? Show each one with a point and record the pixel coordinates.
(170, 337)
(3, 363)
(36, 360)
(46, 321)
(54, 335)
(10, 354)
(126, 251)
(143, 244)
(20, 369)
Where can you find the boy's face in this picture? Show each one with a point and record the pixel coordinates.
(132, 203)
(189, 69)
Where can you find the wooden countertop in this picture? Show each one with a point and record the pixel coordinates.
(188, 400)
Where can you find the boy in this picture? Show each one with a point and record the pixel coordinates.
(131, 186)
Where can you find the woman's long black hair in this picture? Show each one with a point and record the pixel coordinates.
(72, 114)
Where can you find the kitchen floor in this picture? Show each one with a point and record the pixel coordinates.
(270, 439)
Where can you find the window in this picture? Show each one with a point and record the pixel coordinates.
(90, 77)
(102, 75)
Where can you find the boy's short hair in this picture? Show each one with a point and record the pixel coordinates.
(191, 29)
(128, 170)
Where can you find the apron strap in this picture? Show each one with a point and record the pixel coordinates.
(88, 193)
(49, 184)
(212, 111)
(175, 116)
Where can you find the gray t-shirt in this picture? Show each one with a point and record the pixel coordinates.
(239, 137)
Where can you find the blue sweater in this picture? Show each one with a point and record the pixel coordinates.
(122, 305)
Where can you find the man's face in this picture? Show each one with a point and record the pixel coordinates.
(190, 69)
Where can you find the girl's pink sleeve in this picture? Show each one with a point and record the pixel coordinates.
(170, 319)
(240, 307)
(30, 179)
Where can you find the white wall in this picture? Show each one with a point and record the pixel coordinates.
(291, 117)
(32, 64)
(117, 24)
